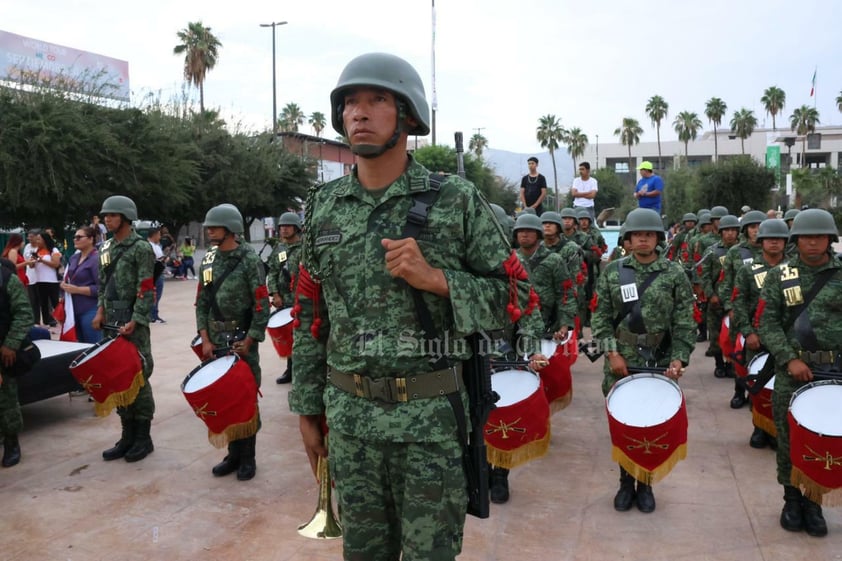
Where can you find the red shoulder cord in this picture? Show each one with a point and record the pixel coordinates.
(311, 289)
(515, 271)
(697, 313)
(761, 305)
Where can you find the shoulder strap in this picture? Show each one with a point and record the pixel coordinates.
(215, 285)
(632, 305)
(804, 330)
(110, 289)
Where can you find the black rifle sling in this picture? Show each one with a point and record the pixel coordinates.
(214, 286)
(632, 307)
(803, 328)
(110, 289)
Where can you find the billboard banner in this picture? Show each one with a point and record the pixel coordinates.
(773, 162)
(23, 59)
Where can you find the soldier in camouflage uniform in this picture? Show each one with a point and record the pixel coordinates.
(623, 246)
(15, 321)
(395, 456)
(704, 238)
(711, 281)
(772, 236)
(232, 310)
(594, 247)
(569, 250)
(126, 295)
(679, 250)
(789, 216)
(656, 332)
(283, 265)
(798, 347)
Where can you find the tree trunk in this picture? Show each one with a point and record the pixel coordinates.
(804, 151)
(630, 165)
(774, 128)
(743, 145)
(686, 153)
(658, 132)
(555, 181)
(202, 98)
(715, 145)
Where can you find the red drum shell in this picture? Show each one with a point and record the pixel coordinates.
(279, 329)
(112, 373)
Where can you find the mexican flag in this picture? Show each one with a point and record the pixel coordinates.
(813, 84)
(68, 326)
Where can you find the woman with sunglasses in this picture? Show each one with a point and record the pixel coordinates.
(81, 283)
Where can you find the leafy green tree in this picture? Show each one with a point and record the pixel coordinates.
(291, 117)
(681, 193)
(478, 144)
(318, 122)
(839, 101)
(657, 110)
(577, 141)
(803, 121)
(733, 183)
(773, 100)
(629, 135)
(818, 189)
(200, 48)
(715, 110)
(742, 125)
(612, 193)
(550, 135)
(687, 125)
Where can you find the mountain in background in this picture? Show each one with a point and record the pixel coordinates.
(512, 166)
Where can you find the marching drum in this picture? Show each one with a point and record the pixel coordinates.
(196, 346)
(725, 337)
(761, 402)
(111, 372)
(518, 429)
(647, 419)
(556, 376)
(280, 331)
(223, 394)
(815, 440)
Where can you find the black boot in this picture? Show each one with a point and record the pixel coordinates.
(286, 377)
(719, 370)
(11, 450)
(645, 498)
(122, 446)
(703, 333)
(792, 515)
(248, 466)
(231, 461)
(739, 398)
(142, 446)
(499, 485)
(813, 520)
(625, 495)
(729, 370)
(758, 438)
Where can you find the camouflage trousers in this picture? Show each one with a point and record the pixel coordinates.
(714, 322)
(399, 498)
(784, 388)
(143, 408)
(11, 421)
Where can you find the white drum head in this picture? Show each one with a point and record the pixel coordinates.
(644, 400)
(548, 347)
(50, 348)
(770, 385)
(513, 386)
(757, 363)
(280, 318)
(209, 373)
(816, 407)
(727, 321)
(95, 351)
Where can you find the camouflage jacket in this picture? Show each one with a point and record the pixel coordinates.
(680, 250)
(131, 286)
(554, 285)
(242, 297)
(739, 255)
(593, 245)
(367, 319)
(746, 294)
(774, 310)
(283, 265)
(700, 246)
(617, 253)
(573, 257)
(666, 307)
(712, 272)
(20, 313)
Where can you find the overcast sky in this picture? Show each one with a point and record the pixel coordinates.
(500, 64)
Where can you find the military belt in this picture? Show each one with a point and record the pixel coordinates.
(399, 389)
(640, 339)
(818, 357)
(221, 326)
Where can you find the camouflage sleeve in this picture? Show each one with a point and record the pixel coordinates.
(100, 298)
(285, 276)
(202, 306)
(309, 369)
(567, 308)
(603, 310)
(706, 278)
(741, 304)
(683, 327)
(21, 312)
(274, 271)
(733, 264)
(145, 259)
(260, 297)
(769, 319)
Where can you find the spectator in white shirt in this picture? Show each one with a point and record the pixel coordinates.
(584, 190)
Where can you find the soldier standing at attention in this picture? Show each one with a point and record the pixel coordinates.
(126, 295)
(283, 266)
(801, 335)
(232, 310)
(394, 413)
(15, 321)
(657, 330)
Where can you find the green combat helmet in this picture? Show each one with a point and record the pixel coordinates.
(704, 219)
(702, 211)
(583, 213)
(729, 221)
(749, 218)
(225, 216)
(813, 222)
(689, 217)
(529, 210)
(118, 204)
(529, 222)
(772, 228)
(791, 214)
(568, 212)
(388, 72)
(718, 212)
(644, 220)
(290, 219)
(551, 217)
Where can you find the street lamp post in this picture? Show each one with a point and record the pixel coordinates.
(273, 25)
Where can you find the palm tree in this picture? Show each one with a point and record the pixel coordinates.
(629, 135)
(773, 100)
(687, 127)
(291, 117)
(200, 48)
(577, 141)
(477, 144)
(839, 101)
(742, 124)
(318, 122)
(657, 109)
(549, 134)
(714, 110)
(803, 121)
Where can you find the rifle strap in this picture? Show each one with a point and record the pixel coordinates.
(803, 329)
(110, 289)
(214, 286)
(631, 306)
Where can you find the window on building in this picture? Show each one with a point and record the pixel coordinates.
(621, 167)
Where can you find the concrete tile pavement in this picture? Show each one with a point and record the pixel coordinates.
(63, 502)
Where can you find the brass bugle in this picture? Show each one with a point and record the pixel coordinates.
(323, 525)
